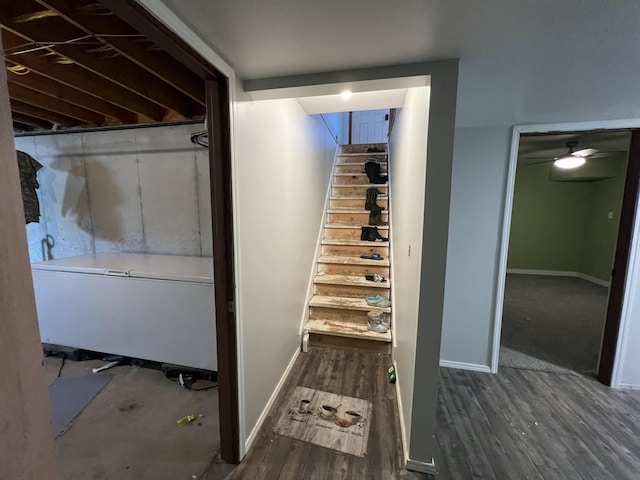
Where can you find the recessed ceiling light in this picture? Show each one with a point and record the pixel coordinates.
(346, 95)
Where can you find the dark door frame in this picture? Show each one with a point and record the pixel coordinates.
(613, 319)
(216, 85)
(611, 332)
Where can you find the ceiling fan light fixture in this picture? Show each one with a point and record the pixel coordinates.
(569, 161)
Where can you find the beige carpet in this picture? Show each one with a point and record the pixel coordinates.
(332, 421)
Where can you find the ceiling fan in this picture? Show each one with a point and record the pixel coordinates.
(573, 158)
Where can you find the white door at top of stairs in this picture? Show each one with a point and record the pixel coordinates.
(370, 126)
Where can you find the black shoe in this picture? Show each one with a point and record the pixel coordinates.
(372, 196)
(365, 233)
(375, 235)
(375, 150)
(375, 218)
(372, 170)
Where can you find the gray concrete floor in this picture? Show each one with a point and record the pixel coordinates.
(129, 429)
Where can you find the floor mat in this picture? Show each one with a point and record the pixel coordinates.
(328, 420)
(68, 396)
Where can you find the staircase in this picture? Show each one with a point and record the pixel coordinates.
(338, 308)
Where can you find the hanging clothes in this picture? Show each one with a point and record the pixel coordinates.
(29, 167)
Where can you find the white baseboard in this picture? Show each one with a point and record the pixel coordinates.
(627, 386)
(422, 467)
(559, 273)
(465, 366)
(272, 399)
(403, 431)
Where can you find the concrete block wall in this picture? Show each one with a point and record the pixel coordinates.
(143, 190)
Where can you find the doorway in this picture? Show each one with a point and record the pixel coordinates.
(561, 303)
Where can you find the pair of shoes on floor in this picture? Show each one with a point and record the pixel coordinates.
(378, 301)
(375, 278)
(376, 322)
(373, 256)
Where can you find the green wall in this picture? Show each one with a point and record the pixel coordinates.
(563, 226)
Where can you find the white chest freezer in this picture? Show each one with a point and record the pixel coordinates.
(152, 307)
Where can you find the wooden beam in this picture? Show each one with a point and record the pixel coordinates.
(144, 22)
(37, 99)
(28, 120)
(117, 69)
(77, 77)
(41, 113)
(22, 126)
(52, 88)
(113, 31)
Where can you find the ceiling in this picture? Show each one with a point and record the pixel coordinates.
(75, 64)
(544, 148)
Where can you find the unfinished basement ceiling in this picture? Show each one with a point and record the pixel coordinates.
(75, 64)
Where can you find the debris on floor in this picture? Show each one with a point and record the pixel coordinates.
(186, 419)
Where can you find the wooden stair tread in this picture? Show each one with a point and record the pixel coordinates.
(342, 225)
(345, 302)
(344, 329)
(361, 243)
(352, 280)
(351, 260)
(352, 210)
(359, 185)
(358, 154)
(350, 164)
(380, 197)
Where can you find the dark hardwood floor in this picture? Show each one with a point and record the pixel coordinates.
(353, 373)
(522, 424)
(517, 425)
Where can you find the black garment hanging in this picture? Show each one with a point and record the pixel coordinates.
(29, 167)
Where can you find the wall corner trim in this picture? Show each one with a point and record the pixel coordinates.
(422, 467)
(466, 366)
(254, 432)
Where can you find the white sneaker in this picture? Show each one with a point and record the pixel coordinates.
(376, 322)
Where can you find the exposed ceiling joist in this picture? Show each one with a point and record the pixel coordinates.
(35, 98)
(118, 35)
(31, 121)
(47, 86)
(78, 60)
(43, 114)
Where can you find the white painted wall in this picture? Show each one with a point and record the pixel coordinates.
(407, 168)
(282, 172)
(143, 190)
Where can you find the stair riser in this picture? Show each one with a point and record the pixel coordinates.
(355, 250)
(336, 203)
(352, 218)
(355, 191)
(356, 168)
(319, 340)
(338, 315)
(348, 233)
(349, 291)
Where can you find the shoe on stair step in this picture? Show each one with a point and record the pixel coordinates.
(377, 301)
(376, 322)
